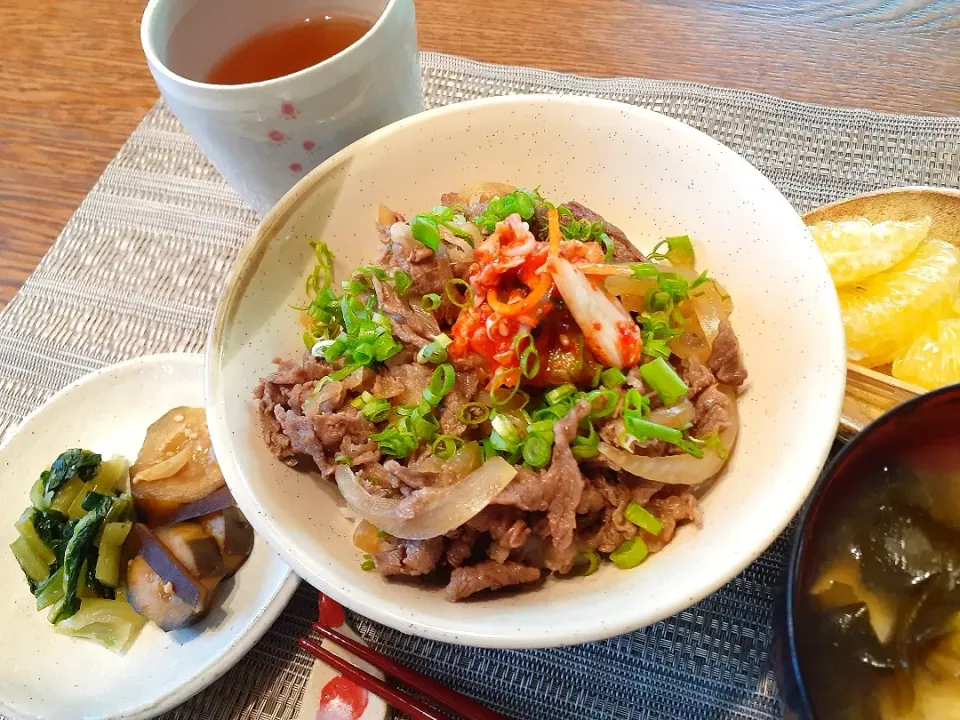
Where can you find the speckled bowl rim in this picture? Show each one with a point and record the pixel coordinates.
(631, 619)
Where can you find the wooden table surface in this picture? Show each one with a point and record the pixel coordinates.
(74, 84)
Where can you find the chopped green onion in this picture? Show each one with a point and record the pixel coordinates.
(541, 427)
(446, 445)
(586, 447)
(504, 426)
(525, 204)
(645, 270)
(537, 449)
(425, 231)
(664, 380)
(713, 443)
(424, 426)
(501, 399)
(587, 562)
(430, 301)
(344, 372)
(451, 289)
(602, 402)
(644, 429)
(595, 380)
(434, 352)
(377, 410)
(612, 378)
(607, 243)
(473, 413)
(698, 281)
(530, 361)
(642, 518)
(341, 459)
(441, 382)
(679, 251)
(368, 564)
(559, 393)
(401, 281)
(629, 553)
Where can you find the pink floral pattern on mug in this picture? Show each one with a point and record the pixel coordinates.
(288, 110)
(309, 145)
(296, 167)
(277, 136)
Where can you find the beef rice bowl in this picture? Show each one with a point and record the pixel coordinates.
(510, 390)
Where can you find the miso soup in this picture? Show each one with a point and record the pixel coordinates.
(878, 615)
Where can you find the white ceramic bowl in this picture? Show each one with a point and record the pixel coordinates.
(648, 174)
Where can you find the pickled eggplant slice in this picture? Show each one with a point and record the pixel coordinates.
(154, 598)
(214, 502)
(160, 586)
(233, 534)
(176, 466)
(193, 545)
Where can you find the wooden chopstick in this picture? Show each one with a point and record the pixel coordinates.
(442, 695)
(416, 709)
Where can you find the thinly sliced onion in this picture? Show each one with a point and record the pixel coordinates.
(690, 344)
(483, 191)
(462, 222)
(429, 512)
(358, 377)
(386, 216)
(166, 468)
(608, 269)
(707, 304)
(677, 469)
(401, 234)
(676, 416)
(619, 285)
(329, 397)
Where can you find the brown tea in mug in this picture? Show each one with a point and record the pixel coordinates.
(284, 49)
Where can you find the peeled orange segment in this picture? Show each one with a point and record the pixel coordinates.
(856, 249)
(883, 314)
(933, 359)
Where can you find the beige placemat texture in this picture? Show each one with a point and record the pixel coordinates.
(139, 267)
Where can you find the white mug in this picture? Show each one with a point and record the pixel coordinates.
(264, 136)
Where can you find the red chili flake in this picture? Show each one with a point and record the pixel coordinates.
(342, 699)
(331, 613)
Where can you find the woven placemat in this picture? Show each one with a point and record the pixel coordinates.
(139, 267)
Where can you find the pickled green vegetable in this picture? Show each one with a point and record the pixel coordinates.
(34, 567)
(76, 511)
(108, 562)
(112, 477)
(38, 498)
(25, 527)
(65, 496)
(78, 549)
(112, 623)
(50, 590)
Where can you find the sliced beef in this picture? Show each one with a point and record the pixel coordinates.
(412, 378)
(725, 359)
(623, 250)
(564, 475)
(464, 391)
(559, 561)
(360, 453)
(696, 375)
(489, 575)
(460, 548)
(409, 326)
(410, 557)
(285, 388)
(671, 511)
(398, 476)
(528, 490)
(302, 435)
(711, 412)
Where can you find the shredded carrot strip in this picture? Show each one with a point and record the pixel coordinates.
(553, 231)
(544, 282)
